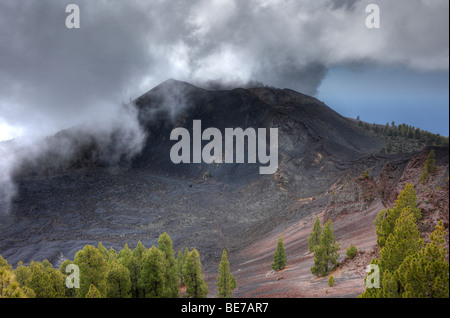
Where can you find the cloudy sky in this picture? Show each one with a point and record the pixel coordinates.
(52, 77)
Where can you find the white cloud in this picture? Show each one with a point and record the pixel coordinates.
(8, 132)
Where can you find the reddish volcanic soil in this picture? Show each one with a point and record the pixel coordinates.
(256, 279)
(252, 266)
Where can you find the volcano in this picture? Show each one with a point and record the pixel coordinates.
(56, 212)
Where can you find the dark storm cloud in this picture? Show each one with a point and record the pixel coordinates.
(52, 77)
(50, 72)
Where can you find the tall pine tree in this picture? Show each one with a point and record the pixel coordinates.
(152, 279)
(385, 221)
(180, 263)
(426, 274)
(225, 281)
(430, 166)
(170, 274)
(129, 260)
(93, 269)
(9, 287)
(326, 253)
(118, 281)
(405, 241)
(138, 256)
(279, 259)
(314, 238)
(431, 161)
(196, 287)
(46, 281)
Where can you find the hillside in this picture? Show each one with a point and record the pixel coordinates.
(65, 202)
(353, 208)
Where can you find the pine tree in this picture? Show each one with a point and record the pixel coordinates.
(9, 287)
(93, 292)
(314, 238)
(152, 275)
(196, 287)
(328, 241)
(139, 251)
(326, 254)
(408, 199)
(118, 281)
(180, 263)
(233, 283)
(430, 166)
(70, 292)
(185, 253)
(351, 251)
(365, 175)
(331, 281)
(171, 277)
(4, 263)
(320, 267)
(112, 254)
(424, 176)
(102, 249)
(391, 287)
(93, 269)
(22, 274)
(138, 255)
(46, 281)
(385, 221)
(404, 241)
(131, 263)
(225, 281)
(279, 259)
(373, 291)
(426, 274)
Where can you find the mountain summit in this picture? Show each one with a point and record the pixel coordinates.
(313, 139)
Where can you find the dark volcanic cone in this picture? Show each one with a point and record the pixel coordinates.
(314, 141)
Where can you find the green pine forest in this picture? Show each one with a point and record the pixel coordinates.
(129, 273)
(402, 138)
